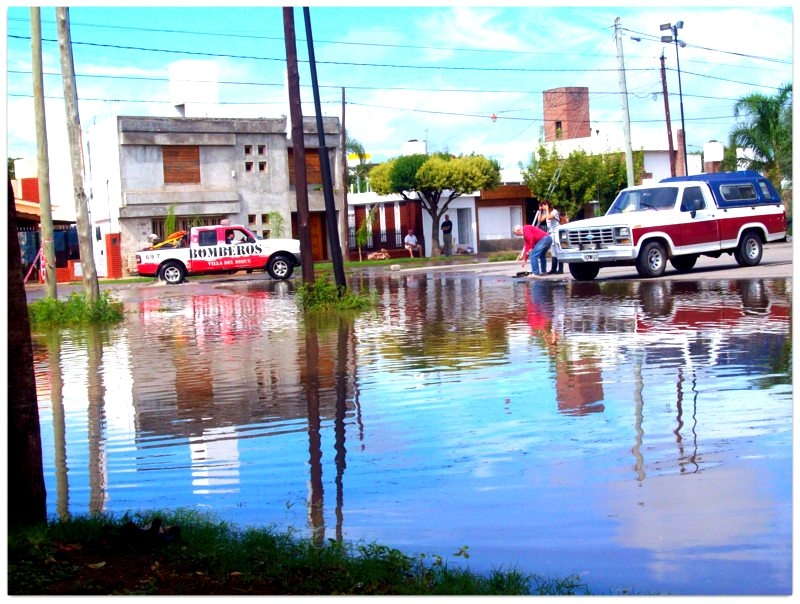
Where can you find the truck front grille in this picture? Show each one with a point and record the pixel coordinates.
(591, 238)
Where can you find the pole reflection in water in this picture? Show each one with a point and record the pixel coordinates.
(316, 514)
(95, 417)
(543, 424)
(53, 342)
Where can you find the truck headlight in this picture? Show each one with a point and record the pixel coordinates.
(622, 235)
(563, 238)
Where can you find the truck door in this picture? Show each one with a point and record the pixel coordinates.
(242, 250)
(699, 223)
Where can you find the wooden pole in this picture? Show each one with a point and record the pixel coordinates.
(298, 147)
(325, 165)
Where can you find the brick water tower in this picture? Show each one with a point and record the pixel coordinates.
(566, 113)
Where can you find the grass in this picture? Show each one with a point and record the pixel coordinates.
(75, 310)
(92, 555)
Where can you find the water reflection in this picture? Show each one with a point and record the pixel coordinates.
(542, 423)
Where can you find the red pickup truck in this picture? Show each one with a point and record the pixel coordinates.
(677, 220)
(217, 249)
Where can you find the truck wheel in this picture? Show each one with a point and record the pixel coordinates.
(583, 271)
(749, 250)
(279, 267)
(652, 260)
(172, 272)
(683, 264)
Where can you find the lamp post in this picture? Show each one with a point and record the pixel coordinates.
(668, 40)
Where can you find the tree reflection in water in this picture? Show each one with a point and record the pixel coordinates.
(461, 410)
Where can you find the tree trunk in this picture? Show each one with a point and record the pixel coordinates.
(27, 497)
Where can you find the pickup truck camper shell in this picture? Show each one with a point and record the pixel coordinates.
(735, 189)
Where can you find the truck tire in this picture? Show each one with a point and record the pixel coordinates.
(583, 271)
(652, 260)
(683, 264)
(749, 250)
(279, 267)
(173, 272)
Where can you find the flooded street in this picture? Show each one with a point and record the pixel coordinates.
(637, 433)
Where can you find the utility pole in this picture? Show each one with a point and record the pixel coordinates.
(42, 158)
(90, 285)
(343, 221)
(324, 162)
(666, 112)
(626, 118)
(298, 146)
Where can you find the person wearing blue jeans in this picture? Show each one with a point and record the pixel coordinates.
(537, 242)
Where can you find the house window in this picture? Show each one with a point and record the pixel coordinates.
(248, 166)
(248, 149)
(262, 149)
(251, 219)
(181, 164)
(262, 166)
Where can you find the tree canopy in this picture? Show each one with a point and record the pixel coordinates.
(765, 130)
(569, 183)
(435, 181)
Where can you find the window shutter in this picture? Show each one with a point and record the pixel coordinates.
(181, 164)
(313, 169)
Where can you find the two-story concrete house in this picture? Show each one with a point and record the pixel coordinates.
(203, 171)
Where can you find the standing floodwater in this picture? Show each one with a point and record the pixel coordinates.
(636, 433)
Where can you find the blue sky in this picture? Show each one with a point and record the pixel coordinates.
(434, 74)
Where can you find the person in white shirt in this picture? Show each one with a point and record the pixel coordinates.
(553, 220)
(412, 244)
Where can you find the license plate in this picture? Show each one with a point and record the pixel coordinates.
(590, 257)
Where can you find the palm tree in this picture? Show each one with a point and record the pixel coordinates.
(359, 172)
(766, 131)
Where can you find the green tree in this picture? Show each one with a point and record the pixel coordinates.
(765, 130)
(580, 178)
(170, 222)
(434, 181)
(357, 175)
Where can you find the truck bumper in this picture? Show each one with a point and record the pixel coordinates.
(606, 255)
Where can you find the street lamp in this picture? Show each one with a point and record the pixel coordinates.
(668, 40)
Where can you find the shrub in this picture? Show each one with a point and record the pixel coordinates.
(323, 295)
(75, 310)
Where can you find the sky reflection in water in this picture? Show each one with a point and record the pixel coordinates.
(637, 433)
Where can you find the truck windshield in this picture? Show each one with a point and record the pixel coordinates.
(638, 200)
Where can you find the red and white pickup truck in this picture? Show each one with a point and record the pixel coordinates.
(217, 249)
(677, 219)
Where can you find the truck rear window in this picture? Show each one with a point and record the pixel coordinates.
(207, 237)
(738, 192)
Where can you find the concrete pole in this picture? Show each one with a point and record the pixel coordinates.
(90, 284)
(623, 90)
(42, 158)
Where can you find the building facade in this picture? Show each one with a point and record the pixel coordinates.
(147, 171)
